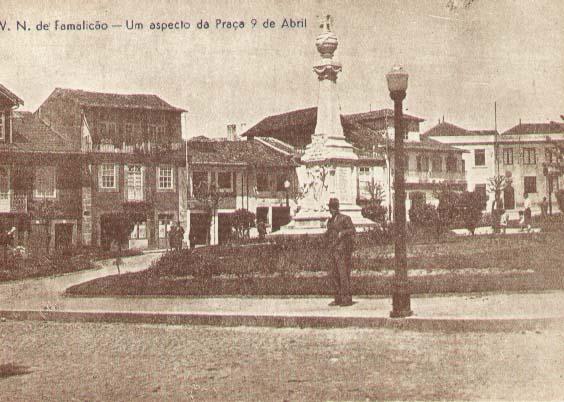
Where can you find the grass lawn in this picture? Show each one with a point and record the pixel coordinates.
(15, 268)
(457, 264)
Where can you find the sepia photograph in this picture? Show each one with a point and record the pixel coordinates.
(255, 200)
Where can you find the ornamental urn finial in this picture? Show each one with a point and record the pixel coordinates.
(327, 42)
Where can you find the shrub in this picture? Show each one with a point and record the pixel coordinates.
(375, 212)
(560, 198)
(242, 221)
(469, 209)
(423, 215)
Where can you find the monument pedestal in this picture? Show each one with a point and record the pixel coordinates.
(329, 161)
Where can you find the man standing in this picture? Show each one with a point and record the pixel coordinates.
(339, 240)
(544, 208)
(179, 235)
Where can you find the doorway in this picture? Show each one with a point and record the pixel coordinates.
(280, 217)
(63, 236)
(509, 197)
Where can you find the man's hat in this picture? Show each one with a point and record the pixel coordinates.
(334, 203)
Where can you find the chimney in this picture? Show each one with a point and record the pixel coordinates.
(231, 132)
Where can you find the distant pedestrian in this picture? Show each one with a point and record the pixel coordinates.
(261, 229)
(504, 220)
(179, 236)
(522, 224)
(339, 241)
(192, 236)
(544, 208)
(172, 236)
(527, 211)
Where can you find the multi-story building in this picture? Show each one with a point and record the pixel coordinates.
(479, 158)
(131, 147)
(257, 175)
(524, 151)
(39, 195)
(520, 154)
(83, 156)
(428, 162)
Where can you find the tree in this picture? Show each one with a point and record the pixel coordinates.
(374, 210)
(117, 228)
(242, 221)
(447, 210)
(470, 209)
(208, 198)
(496, 185)
(423, 215)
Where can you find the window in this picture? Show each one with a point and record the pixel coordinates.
(165, 221)
(451, 164)
(437, 164)
(479, 157)
(422, 163)
(135, 183)
(108, 176)
(165, 178)
(529, 156)
(128, 133)
(2, 126)
(364, 177)
(139, 231)
(199, 183)
(530, 184)
(262, 181)
(406, 162)
(45, 182)
(508, 156)
(156, 132)
(108, 129)
(225, 181)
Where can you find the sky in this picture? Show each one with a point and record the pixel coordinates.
(460, 62)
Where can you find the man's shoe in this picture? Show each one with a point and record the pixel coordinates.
(346, 304)
(334, 303)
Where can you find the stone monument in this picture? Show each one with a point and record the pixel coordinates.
(329, 163)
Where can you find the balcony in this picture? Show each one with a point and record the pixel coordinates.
(414, 176)
(142, 148)
(11, 202)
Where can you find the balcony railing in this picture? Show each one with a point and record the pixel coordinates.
(11, 202)
(414, 176)
(145, 148)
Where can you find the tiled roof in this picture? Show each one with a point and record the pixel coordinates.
(308, 117)
(484, 132)
(242, 153)
(378, 114)
(10, 95)
(365, 138)
(278, 145)
(32, 135)
(444, 129)
(536, 128)
(112, 100)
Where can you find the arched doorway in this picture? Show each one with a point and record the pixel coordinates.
(509, 197)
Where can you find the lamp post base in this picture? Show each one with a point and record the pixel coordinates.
(401, 305)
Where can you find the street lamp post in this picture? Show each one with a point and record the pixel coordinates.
(401, 299)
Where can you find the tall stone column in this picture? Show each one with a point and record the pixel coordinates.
(329, 162)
